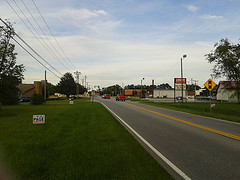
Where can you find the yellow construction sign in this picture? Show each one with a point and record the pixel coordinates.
(209, 84)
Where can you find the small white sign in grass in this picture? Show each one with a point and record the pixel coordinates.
(38, 119)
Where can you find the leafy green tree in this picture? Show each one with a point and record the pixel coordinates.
(226, 57)
(11, 74)
(67, 85)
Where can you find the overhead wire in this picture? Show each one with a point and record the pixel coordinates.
(52, 33)
(27, 50)
(47, 38)
(31, 49)
(43, 41)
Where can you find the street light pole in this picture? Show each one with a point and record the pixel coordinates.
(141, 86)
(184, 56)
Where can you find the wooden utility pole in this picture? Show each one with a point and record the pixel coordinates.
(45, 87)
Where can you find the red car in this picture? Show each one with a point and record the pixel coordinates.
(106, 96)
(120, 98)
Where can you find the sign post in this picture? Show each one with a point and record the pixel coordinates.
(179, 85)
(209, 84)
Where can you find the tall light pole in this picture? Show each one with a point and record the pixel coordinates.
(184, 56)
(141, 86)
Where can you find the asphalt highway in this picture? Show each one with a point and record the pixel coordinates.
(188, 146)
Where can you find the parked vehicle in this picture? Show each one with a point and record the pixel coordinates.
(120, 98)
(106, 96)
(24, 99)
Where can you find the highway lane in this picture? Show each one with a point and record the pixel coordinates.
(199, 153)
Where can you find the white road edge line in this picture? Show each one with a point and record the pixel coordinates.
(169, 163)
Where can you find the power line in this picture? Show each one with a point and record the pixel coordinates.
(30, 48)
(51, 32)
(35, 57)
(52, 53)
(46, 48)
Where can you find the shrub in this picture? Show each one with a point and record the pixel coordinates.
(37, 99)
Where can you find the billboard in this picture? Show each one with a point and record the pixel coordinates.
(178, 87)
(180, 80)
(128, 92)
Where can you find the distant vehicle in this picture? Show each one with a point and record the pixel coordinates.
(120, 98)
(200, 98)
(24, 99)
(206, 98)
(190, 98)
(106, 96)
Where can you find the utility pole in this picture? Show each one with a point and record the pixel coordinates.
(152, 87)
(85, 77)
(83, 82)
(45, 87)
(77, 73)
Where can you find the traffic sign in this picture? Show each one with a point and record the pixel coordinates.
(209, 84)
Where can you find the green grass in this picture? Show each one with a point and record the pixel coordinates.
(79, 141)
(226, 111)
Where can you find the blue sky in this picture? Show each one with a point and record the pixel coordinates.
(122, 41)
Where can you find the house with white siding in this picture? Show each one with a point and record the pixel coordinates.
(226, 91)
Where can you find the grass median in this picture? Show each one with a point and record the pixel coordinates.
(78, 141)
(226, 111)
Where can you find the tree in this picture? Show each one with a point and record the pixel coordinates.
(192, 87)
(11, 74)
(67, 85)
(37, 99)
(226, 57)
(164, 86)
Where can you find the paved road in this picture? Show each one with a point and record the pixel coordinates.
(202, 148)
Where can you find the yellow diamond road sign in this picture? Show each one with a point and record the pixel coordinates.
(209, 84)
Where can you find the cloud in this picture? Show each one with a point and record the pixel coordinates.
(81, 14)
(211, 17)
(192, 8)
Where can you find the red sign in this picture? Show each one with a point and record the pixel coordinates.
(180, 80)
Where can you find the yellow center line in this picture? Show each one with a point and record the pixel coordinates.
(191, 124)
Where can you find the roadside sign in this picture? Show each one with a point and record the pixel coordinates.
(179, 87)
(71, 102)
(179, 99)
(38, 119)
(180, 80)
(209, 84)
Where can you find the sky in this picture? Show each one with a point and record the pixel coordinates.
(121, 41)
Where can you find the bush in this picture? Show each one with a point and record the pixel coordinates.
(37, 99)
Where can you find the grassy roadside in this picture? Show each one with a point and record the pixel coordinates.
(226, 111)
(79, 141)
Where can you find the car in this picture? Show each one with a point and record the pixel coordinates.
(120, 98)
(24, 99)
(106, 96)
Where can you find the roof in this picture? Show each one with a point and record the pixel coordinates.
(228, 84)
(25, 87)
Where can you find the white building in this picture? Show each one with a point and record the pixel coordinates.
(226, 90)
(167, 93)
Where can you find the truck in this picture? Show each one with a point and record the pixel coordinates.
(120, 98)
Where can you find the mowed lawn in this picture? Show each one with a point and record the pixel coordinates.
(225, 111)
(79, 141)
